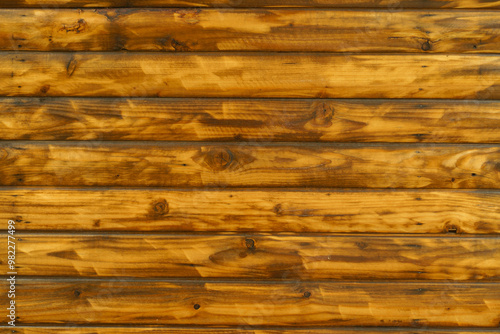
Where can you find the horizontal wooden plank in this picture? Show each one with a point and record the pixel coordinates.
(243, 120)
(247, 165)
(346, 211)
(294, 304)
(385, 4)
(264, 30)
(361, 258)
(74, 329)
(295, 75)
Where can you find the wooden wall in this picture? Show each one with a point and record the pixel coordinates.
(252, 166)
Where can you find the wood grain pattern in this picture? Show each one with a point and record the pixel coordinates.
(294, 304)
(246, 165)
(389, 5)
(250, 75)
(250, 120)
(346, 211)
(264, 30)
(362, 258)
(252, 166)
(73, 329)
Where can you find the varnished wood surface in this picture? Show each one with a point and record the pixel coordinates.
(308, 75)
(261, 166)
(295, 304)
(70, 329)
(250, 120)
(383, 4)
(246, 165)
(328, 211)
(362, 258)
(263, 30)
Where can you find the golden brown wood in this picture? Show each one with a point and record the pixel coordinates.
(294, 304)
(263, 30)
(155, 210)
(389, 5)
(250, 75)
(362, 258)
(73, 329)
(249, 120)
(247, 165)
(211, 158)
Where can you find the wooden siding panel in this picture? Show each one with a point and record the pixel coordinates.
(384, 4)
(295, 304)
(257, 257)
(263, 30)
(73, 329)
(250, 120)
(328, 211)
(249, 165)
(316, 75)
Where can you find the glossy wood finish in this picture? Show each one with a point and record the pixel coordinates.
(316, 75)
(172, 168)
(292, 304)
(328, 211)
(250, 120)
(247, 165)
(263, 30)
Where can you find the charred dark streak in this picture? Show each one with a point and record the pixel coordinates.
(71, 67)
(120, 43)
(66, 254)
(179, 46)
(17, 38)
(109, 15)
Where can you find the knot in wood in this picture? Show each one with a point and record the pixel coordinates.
(219, 159)
(322, 115)
(426, 46)
(452, 228)
(160, 207)
(250, 243)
